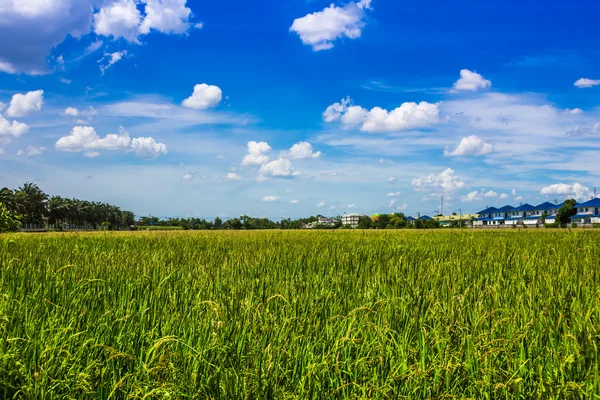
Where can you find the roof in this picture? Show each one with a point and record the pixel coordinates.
(591, 203)
(488, 210)
(524, 207)
(426, 218)
(547, 206)
(410, 218)
(533, 217)
(581, 215)
(482, 219)
(514, 218)
(506, 208)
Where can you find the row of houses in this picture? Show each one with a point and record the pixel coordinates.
(527, 214)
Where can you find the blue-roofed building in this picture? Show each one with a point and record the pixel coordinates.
(534, 216)
(518, 214)
(425, 218)
(485, 217)
(588, 212)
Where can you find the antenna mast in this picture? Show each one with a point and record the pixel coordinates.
(442, 206)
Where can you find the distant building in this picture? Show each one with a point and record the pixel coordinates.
(464, 219)
(588, 212)
(351, 220)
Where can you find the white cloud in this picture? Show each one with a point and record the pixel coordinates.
(111, 59)
(31, 151)
(187, 177)
(85, 138)
(391, 180)
(573, 111)
(470, 146)
(504, 196)
(394, 194)
(471, 81)
(2, 152)
(24, 104)
(280, 168)
(392, 203)
(514, 192)
(321, 203)
(120, 19)
(576, 191)
(402, 207)
(302, 150)
(447, 182)
(147, 148)
(232, 176)
(204, 96)
(332, 208)
(270, 199)
(491, 193)
(14, 129)
(91, 154)
(65, 80)
(166, 16)
(256, 153)
(320, 29)
(586, 83)
(351, 206)
(294, 202)
(408, 116)
(518, 198)
(473, 196)
(72, 111)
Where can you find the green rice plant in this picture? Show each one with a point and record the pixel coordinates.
(300, 315)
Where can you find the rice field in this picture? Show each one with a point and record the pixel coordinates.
(300, 315)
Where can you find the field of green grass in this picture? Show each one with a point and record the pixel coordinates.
(300, 315)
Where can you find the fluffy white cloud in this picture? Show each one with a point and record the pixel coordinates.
(391, 180)
(119, 19)
(321, 203)
(280, 168)
(351, 206)
(166, 16)
(586, 83)
(14, 129)
(473, 196)
(579, 130)
(402, 207)
(302, 150)
(394, 194)
(85, 138)
(24, 104)
(256, 153)
(447, 182)
(204, 96)
(320, 29)
(232, 176)
(573, 111)
(490, 193)
(504, 196)
(392, 203)
(408, 116)
(576, 191)
(470, 146)
(518, 198)
(187, 177)
(332, 208)
(111, 59)
(470, 81)
(91, 154)
(294, 202)
(72, 111)
(147, 148)
(270, 199)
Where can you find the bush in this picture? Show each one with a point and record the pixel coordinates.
(8, 221)
(574, 225)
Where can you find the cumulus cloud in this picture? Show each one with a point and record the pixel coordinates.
(14, 129)
(491, 193)
(473, 196)
(518, 198)
(402, 207)
(187, 177)
(447, 182)
(408, 116)
(391, 180)
(257, 153)
(280, 168)
(351, 206)
(270, 199)
(470, 81)
(24, 104)
(573, 111)
(232, 176)
(579, 130)
(204, 96)
(122, 19)
(111, 59)
(586, 83)
(394, 194)
(320, 29)
(321, 203)
(294, 202)
(576, 191)
(392, 203)
(71, 111)
(470, 146)
(504, 196)
(85, 139)
(302, 150)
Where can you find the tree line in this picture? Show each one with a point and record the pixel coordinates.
(29, 205)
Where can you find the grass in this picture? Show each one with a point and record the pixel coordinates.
(300, 315)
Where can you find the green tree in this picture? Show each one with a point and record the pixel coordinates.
(365, 222)
(218, 224)
(566, 211)
(8, 221)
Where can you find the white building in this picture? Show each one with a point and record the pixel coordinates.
(351, 220)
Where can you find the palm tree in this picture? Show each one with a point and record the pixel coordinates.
(33, 202)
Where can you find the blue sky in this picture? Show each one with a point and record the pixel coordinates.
(292, 108)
